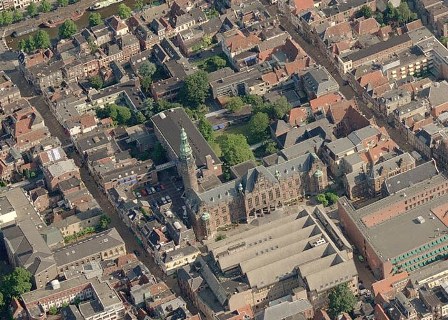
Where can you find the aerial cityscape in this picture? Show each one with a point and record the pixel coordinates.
(223, 159)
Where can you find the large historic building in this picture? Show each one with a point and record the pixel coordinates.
(258, 191)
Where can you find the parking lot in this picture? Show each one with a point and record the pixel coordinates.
(170, 184)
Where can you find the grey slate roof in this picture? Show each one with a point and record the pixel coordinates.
(103, 241)
(406, 179)
(286, 310)
(170, 122)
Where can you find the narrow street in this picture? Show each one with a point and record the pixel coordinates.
(58, 131)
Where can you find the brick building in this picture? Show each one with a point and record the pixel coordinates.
(404, 231)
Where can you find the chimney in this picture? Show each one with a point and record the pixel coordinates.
(209, 162)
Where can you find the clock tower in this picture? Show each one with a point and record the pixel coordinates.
(187, 164)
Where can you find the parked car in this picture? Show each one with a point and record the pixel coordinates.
(164, 200)
(137, 194)
(143, 192)
(153, 190)
(157, 188)
(162, 187)
(148, 190)
(154, 204)
(168, 199)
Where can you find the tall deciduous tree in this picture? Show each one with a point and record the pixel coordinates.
(32, 9)
(196, 88)
(45, 6)
(341, 300)
(95, 19)
(235, 104)
(17, 15)
(42, 39)
(206, 129)
(124, 11)
(258, 125)
(235, 149)
(281, 107)
(62, 3)
(67, 29)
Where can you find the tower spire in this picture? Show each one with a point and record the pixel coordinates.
(185, 148)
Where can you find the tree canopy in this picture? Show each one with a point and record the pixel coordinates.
(365, 12)
(67, 29)
(401, 14)
(235, 149)
(124, 12)
(96, 82)
(139, 4)
(196, 88)
(258, 126)
(158, 154)
(280, 107)
(147, 69)
(341, 300)
(120, 114)
(62, 3)
(32, 10)
(40, 41)
(206, 129)
(45, 6)
(95, 19)
(235, 104)
(16, 283)
(17, 15)
(6, 17)
(104, 222)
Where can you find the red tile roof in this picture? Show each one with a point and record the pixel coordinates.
(324, 102)
(297, 116)
(366, 26)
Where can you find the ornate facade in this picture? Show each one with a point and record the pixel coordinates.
(259, 191)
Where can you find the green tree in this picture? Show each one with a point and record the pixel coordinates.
(270, 147)
(331, 197)
(404, 14)
(63, 3)
(124, 11)
(146, 83)
(95, 19)
(390, 13)
(215, 63)
(147, 69)
(53, 311)
(96, 82)
(206, 129)
(206, 41)
(67, 29)
(17, 15)
(42, 39)
(196, 88)
(8, 17)
(341, 300)
(124, 115)
(444, 40)
(281, 107)
(92, 45)
(139, 4)
(104, 222)
(22, 45)
(2, 301)
(365, 12)
(258, 126)
(16, 283)
(235, 149)
(235, 104)
(149, 107)
(322, 199)
(32, 10)
(158, 154)
(140, 117)
(379, 18)
(30, 44)
(45, 6)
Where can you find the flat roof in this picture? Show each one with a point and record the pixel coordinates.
(402, 233)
